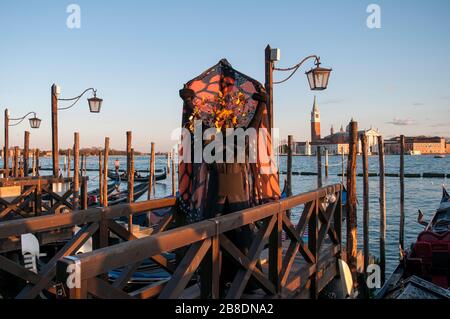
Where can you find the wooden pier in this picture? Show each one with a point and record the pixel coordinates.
(281, 276)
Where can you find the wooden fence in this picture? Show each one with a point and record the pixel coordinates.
(95, 224)
(34, 196)
(294, 269)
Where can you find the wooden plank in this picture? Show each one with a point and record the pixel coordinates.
(101, 289)
(276, 252)
(313, 246)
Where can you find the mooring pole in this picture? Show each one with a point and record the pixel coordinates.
(319, 166)
(6, 148)
(68, 163)
(76, 171)
(26, 153)
(130, 179)
(82, 165)
(352, 239)
(343, 164)
(16, 161)
(151, 171)
(174, 190)
(105, 173)
(365, 159)
(402, 192)
(37, 161)
(289, 171)
(55, 149)
(100, 178)
(382, 210)
(326, 163)
(33, 163)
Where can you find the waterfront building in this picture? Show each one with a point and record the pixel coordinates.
(416, 145)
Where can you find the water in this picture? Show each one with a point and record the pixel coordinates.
(424, 194)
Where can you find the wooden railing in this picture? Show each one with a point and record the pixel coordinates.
(33, 196)
(207, 242)
(95, 224)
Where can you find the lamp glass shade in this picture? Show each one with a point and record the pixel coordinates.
(318, 78)
(95, 104)
(35, 122)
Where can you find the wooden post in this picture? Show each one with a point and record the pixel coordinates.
(131, 189)
(84, 195)
(174, 190)
(289, 171)
(16, 161)
(313, 237)
(55, 148)
(382, 210)
(269, 85)
(168, 163)
(352, 239)
(82, 165)
(319, 166)
(26, 153)
(326, 163)
(33, 165)
(151, 171)
(343, 164)
(85, 163)
(76, 171)
(105, 173)
(68, 163)
(6, 148)
(37, 162)
(130, 177)
(365, 158)
(402, 192)
(100, 179)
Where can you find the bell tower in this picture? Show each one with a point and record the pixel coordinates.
(315, 122)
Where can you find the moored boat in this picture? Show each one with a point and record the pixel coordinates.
(160, 175)
(424, 272)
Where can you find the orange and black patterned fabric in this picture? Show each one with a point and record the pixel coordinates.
(204, 186)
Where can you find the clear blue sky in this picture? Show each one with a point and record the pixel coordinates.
(139, 53)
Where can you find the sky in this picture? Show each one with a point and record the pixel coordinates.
(138, 54)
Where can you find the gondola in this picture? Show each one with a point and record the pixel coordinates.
(122, 196)
(159, 176)
(424, 271)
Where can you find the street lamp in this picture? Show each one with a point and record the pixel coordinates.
(317, 77)
(35, 123)
(95, 105)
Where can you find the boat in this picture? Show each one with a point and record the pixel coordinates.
(160, 174)
(415, 153)
(424, 271)
(120, 197)
(440, 156)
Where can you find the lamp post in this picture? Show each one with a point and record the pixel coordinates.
(35, 123)
(317, 77)
(95, 105)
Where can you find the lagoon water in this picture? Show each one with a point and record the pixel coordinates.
(420, 193)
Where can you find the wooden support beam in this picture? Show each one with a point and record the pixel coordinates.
(326, 163)
(37, 162)
(382, 210)
(352, 239)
